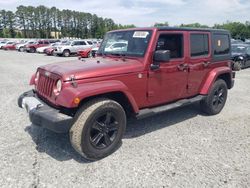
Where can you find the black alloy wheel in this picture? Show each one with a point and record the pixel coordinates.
(104, 130)
(219, 97)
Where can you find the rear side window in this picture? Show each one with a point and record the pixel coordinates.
(82, 43)
(221, 44)
(199, 45)
(46, 42)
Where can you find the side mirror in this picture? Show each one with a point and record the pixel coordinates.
(162, 56)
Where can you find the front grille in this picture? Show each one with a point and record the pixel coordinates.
(45, 85)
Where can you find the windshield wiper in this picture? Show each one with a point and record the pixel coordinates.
(118, 54)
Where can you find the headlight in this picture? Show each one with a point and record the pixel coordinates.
(37, 76)
(59, 85)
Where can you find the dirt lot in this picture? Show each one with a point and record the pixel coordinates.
(180, 148)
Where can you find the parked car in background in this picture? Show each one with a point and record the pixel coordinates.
(10, 46)
(241, 55)
(72, 47)
(4, 43)
(88, 52)
(117, 46)
(236, 41)
(84, 53)
(49, 51)
(32, 47)
(20, 46)
(42, 49)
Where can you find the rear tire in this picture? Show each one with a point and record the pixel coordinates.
(66, 53)
(21, 49)
(216, 99)
(98, 129)
(32, 50)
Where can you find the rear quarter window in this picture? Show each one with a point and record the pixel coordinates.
(221, 44)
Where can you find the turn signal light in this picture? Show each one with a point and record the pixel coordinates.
(76, 100)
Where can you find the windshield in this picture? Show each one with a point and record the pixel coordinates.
(239, 49)
(67, 43)
(128, 43)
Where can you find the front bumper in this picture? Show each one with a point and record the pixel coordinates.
(43, 115)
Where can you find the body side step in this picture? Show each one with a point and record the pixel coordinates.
(151, 111)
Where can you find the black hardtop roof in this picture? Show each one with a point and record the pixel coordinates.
(191, 29)
(219, 31)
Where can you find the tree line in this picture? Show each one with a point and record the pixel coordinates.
(41, 21)
(238, 30)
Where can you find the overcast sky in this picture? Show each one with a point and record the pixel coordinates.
(147, 12)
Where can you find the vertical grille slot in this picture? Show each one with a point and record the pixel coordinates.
(45, 85)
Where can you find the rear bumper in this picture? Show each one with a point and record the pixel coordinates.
(43, 115)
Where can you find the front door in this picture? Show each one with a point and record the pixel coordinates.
(169, 82)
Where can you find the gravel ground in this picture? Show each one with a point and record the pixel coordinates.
(180, 148)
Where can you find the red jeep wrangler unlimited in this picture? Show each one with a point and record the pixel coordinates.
(157, 69)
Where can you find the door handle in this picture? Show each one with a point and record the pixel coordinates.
(182, 67)
(206, 63)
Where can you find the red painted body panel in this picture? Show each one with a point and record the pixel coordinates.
(168, 83)
(10, 47)
(49, 51)
(212, 76)
(84, 53)
(133, 77)
(92, 89)
(36, 45)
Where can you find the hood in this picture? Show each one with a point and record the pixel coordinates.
(93, 68)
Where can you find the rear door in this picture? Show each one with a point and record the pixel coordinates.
(199, 60)
(169, 82)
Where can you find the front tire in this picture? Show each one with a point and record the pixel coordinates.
(98, 129)
(21, 49)
(66, 53)
(216, 99)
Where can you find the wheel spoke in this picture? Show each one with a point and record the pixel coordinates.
(108, 118)
(107, 140)
(97, 126)
(221, 99)
(97, 138)
(113, 126)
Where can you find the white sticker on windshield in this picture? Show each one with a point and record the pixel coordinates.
(140, 34)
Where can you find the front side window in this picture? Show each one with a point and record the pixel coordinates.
(221, 44)
(171, 42)
(199, 45)
(128, 43)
